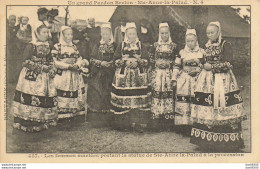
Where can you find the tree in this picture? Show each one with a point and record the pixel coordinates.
(244, 14)
(246, 18)
(66, 15)
(237, 10)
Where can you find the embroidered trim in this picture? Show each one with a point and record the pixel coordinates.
(126, 111)
(214, 53)
(106, 49)
(33, 100)
(162, 95)
(68, 94)
(66, 55)
(163, 116)
(211, 136)
(206, 99)
(121, 112)
(128, 88)
(220, 122)
(41, 51)
(221, 67)
(186, 99)
(35, 119)
(130, 91)
(33, 127)
(131, 52)
(116, 106)
(29, 129)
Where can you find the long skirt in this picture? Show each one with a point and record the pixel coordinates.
(162, 97)
(217, 120)
(184, 96)
(34, 102)
(71, 94)
(130, 98)
(99, 96)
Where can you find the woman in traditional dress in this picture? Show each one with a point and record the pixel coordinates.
(189, 62)
(101, 77)
(129, 97)
(68, 80)
(34, 101)
(162, 57)
(218, 109)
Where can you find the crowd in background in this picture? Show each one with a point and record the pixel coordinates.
(126, 80)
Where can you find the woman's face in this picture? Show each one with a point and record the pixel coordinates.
(68, 35)
(191, 41)
(212, 32)
(106, 33)
(25, 20)
(42, 17)
(164, 33)
(43, 34)
(131, 34)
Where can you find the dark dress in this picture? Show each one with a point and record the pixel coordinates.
(100, 84)
(217, 110)
(81, 43)
(147, 38)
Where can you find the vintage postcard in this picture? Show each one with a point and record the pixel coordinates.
(172, 81)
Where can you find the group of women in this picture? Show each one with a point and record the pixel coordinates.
(131, 86)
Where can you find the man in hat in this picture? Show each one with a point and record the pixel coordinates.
(91, 33)
(120, 31)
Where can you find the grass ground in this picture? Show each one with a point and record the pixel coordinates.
(82, 138)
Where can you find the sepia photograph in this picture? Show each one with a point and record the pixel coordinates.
(128, 79)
